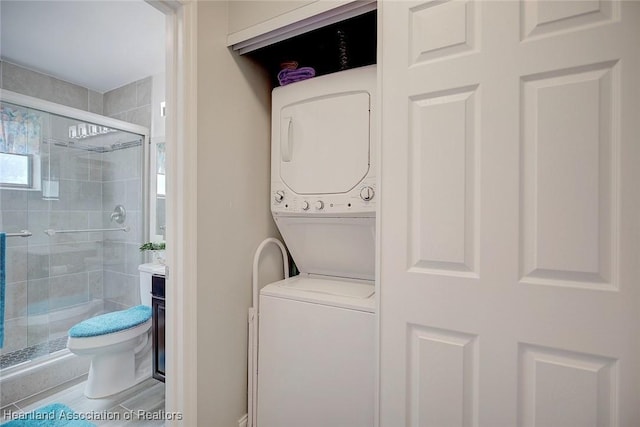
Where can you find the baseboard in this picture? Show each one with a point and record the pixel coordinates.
(242, 422)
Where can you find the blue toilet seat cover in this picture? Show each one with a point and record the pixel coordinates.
(111, 322)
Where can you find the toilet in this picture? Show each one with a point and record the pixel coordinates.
(119, 343)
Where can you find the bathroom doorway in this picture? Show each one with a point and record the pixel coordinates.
(68, 150)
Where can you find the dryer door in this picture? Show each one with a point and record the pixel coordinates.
(324, 143)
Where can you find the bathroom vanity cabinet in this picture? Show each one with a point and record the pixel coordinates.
(158, 306)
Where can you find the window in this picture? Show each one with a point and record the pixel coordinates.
(16, 170)
(20, 140)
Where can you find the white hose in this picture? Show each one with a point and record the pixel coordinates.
(252, 356)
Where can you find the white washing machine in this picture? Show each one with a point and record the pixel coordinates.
(316, 354)
(316, 350)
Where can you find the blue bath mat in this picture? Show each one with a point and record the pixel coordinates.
(53, 415)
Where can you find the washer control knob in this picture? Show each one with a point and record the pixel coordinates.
(367, 193)
(305, 206)
(278, 196)
(319, 205)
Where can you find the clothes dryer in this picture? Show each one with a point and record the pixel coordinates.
(323, 172)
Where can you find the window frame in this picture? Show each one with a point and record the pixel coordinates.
(30, 173)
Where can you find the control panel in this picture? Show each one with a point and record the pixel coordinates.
(362, 198)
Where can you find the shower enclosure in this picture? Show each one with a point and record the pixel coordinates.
(72, 202)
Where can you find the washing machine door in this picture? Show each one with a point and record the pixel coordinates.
(324, 142)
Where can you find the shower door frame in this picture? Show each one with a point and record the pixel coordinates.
(93, 118)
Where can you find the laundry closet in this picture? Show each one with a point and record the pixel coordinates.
(312, 353)
(506, 272)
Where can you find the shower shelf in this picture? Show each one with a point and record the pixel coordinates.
(52, 232)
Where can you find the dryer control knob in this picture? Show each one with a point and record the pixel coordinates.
(305, 206)
(278, 196)
(367, 194)
(319, 205)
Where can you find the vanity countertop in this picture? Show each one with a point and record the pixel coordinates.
(153, 268)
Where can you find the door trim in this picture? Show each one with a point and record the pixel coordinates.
(181, 119)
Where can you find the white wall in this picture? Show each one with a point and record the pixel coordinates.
(233, 212)
(245, 13)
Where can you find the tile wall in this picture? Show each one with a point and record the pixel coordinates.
(122, 184)
(31, 83)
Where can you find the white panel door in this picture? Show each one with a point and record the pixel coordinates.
(510, 237)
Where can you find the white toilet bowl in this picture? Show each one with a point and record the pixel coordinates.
(119, 344)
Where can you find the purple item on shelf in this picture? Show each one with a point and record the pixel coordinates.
(288, 75)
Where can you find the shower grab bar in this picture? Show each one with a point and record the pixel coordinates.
(52, 232)
(22, 233)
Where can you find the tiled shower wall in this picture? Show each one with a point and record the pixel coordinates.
(122, 185)
(84, 273)
(31, 83)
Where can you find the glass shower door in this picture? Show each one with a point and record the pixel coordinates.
(22, 131)
(78, 188)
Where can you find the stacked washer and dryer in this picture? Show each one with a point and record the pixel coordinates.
(316, 360)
